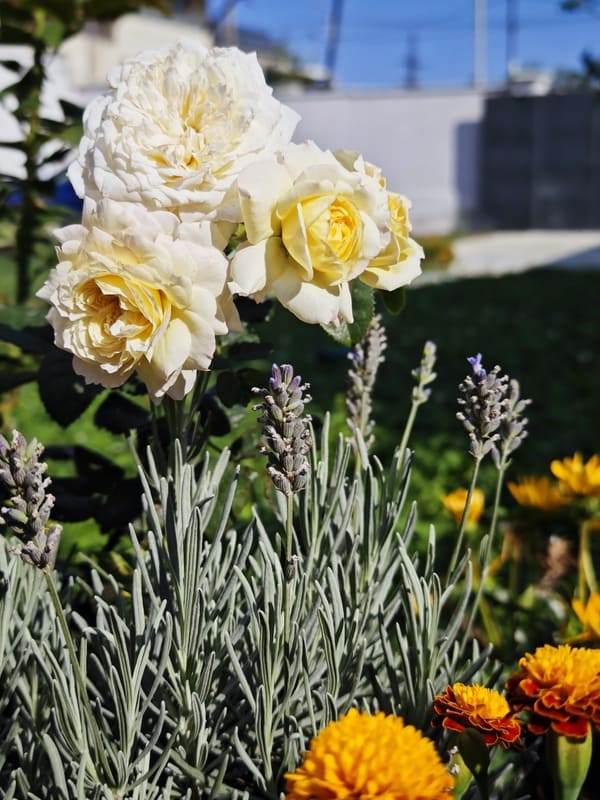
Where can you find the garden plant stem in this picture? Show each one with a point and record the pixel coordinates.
(465, 516)
(586, 577)
(486, 560)
(408, 429)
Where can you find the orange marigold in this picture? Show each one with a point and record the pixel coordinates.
(366, 757)
(455, 503)
(559, 687)
(478, 707)
(539, 493)
(578, 477)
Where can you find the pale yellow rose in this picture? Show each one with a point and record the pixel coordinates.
(138, 291)
(176, 127)
(399, 262)
(312, 227)
(355, 162)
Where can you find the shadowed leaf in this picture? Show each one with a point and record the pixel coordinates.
(64, 394)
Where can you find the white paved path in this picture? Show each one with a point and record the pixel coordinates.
(514, 251)
(504, 252)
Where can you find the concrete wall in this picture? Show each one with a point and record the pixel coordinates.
(426, 143)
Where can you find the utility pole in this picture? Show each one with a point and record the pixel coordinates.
(229, 24)
(224, 25)
(479, 43)
(333, 36)
(412, 64)
(512, 37)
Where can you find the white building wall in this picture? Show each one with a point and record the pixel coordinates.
(89, 56)
(426, 143)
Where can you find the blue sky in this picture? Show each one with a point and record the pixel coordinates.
(375, 36)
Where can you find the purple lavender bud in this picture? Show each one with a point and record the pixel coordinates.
(475, 362)
(275, 379)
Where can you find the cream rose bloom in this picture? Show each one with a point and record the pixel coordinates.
(312, 227)
(399, 262)
(136, 290)
(176, 128)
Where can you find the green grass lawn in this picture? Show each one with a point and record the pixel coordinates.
(542, 327)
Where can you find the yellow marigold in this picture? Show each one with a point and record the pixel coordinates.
(455, 503)
(478, 707)
(365, 757)
(539, 493)
(578, 477)
(559, 687)
(589, 615)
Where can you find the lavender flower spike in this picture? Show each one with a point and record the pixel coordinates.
(483, 406)
(492, 412)
(424, 374)
(286, 436)
(26, 505)
(366, 358)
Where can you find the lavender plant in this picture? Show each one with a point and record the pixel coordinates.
(492, 414)
(211, 675)
(26, 616)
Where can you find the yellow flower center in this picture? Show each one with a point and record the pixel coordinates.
(120, 319)
(575, 670)
(485, 702)
(324, 234)
(343, 227)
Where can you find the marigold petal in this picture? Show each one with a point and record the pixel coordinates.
(373, 757)
(575, 728)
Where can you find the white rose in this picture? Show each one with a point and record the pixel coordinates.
(312, 227)
(399, 262)
(176, 128)
(136, 290)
